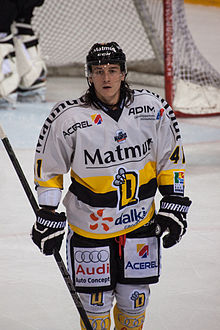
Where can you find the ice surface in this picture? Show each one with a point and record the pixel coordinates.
(33, 293)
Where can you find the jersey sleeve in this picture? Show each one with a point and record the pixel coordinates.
(170, 154)
(52, 159)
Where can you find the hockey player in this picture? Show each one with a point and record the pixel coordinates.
(22, 70)
(120, 146)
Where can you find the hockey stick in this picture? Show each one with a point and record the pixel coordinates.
(35, 207)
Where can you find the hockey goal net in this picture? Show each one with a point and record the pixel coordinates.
(153, 34)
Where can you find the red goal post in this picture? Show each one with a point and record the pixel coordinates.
(168, 50)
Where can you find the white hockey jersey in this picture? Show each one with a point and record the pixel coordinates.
(115, 166)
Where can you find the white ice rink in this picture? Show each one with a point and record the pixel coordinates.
(33, 295)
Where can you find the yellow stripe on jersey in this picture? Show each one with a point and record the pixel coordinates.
(98, 184)
(88, 234)
(103, 184)
(55, 182)
(147, 173)
(166, 178)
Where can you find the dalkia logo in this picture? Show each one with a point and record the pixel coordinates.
(99, 219)
(97, 119)
(131, 218)
(143, 250)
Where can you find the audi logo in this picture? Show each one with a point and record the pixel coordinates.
(91, 256)
(99, 323)
(131, 322)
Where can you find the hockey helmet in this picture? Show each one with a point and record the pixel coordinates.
(105, 53)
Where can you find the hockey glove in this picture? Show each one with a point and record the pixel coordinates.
(48, 230)
(172, 218)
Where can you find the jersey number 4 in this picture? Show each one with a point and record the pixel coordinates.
(175, 157)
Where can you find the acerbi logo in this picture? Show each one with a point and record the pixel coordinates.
(144, 259)
(141, 265)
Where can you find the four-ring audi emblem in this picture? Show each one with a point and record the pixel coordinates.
(91, 256)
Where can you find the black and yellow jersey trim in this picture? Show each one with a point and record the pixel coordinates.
(55, 182)
(84, 233)
(99, 191)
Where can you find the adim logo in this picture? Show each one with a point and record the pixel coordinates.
(143, 250)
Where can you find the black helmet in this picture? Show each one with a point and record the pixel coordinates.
(105, 53)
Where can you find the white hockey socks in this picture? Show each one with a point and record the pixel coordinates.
(9, 78)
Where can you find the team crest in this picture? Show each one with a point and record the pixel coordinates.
(138, 298)
(127, 184)
(120, 136)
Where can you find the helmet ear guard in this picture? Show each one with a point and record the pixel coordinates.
(107, 53)
(86, 71)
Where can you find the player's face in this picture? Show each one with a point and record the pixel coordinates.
(107, 80)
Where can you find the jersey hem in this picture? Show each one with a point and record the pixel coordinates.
(84, 233)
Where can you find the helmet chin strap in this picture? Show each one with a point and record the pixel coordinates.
(86, 71)
(88, 82)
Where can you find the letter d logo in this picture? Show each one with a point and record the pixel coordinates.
(140, 301)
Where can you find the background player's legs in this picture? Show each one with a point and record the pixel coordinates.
(25, 9)
(31, 67)
(22, 69)
(8, 13)
(9, 78)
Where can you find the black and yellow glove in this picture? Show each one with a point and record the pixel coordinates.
(48, 230)
(172, 218)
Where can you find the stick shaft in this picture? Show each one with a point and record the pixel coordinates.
(20, 174)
